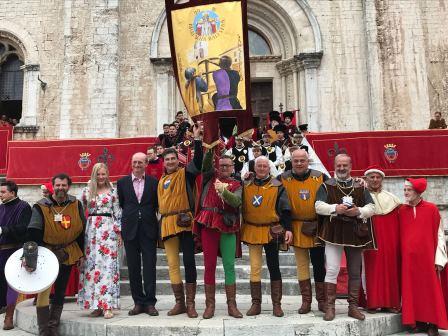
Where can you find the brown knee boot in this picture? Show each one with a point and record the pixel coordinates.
(307, 296)
(232, 309)
(330, 298)
(9, 317)
(255, 293)
(43, 316)
(179, 307)
(190, 289)
(353, 297)
(320, 295)
(209, 311)
(276, 296)
(55, 319)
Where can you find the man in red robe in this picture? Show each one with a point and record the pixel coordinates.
(423, 250)
(382, 266)
(155, 163)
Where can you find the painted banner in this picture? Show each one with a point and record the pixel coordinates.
(5, 137)
(35, 162)
(210, 55)
(399, 153)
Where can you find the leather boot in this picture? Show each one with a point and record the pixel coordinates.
(255, 293)
(179, 307)
(276, 297)
(43, 316)
(433, 330)
(54, 320)
(320, 295)
(353, 296)
(330, 298)
(232, 309)
(190, 294)
(9, 317)
(209, 311)
(307, 296)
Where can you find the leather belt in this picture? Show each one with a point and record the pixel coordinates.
(9, 246)
(172, 213)
(101, 214)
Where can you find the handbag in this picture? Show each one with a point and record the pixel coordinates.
(228, 219)
(309, 228)
(277, 232)
(184, 219)
(361, 229)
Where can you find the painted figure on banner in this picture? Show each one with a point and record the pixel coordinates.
(226, 80)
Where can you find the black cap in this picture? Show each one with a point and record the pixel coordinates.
(275, 115)
(280, 128)
(288, 114)
(303, 127)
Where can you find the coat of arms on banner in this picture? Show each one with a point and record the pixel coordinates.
(304, 194)
(84, 162)
(390, 152)
(166, 184)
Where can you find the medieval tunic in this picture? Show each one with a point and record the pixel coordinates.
(265, 203)
(382, 266)
(175, 195)
(422, 247)
(212, 207)
(342, 230)
(302, 194)
(67, 234)
(14, 218)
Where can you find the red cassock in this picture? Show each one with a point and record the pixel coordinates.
(382, 266)
(422, 294)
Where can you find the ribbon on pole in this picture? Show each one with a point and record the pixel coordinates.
(210, 56)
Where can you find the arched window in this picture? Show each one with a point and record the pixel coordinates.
(11, 82)
(258, 46)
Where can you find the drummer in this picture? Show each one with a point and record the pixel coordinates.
(58, 223)
(15, 215)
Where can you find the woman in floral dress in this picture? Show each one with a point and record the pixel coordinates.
(99, 287)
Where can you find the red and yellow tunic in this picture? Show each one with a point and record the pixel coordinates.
(302, 196)
(259, 211)
(173, 199)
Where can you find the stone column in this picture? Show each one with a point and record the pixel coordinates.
(308, 63)
(31, 89)
(165, 92)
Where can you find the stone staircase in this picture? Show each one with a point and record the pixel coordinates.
(242, 269)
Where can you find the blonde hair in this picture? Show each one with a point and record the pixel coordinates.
(93, 184)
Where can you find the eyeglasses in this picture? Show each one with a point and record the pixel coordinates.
(226, 165)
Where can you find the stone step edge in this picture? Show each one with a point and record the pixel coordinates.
(261, 325)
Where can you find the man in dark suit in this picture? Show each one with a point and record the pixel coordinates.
(137, 194)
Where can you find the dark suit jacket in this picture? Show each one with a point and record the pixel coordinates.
(134, 213)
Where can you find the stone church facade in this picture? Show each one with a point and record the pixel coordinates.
(102, 68)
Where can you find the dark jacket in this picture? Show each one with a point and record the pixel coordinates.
(136, 214)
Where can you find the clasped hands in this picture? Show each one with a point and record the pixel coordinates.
(342, 209)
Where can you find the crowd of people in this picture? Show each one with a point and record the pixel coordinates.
(6, 121)
(264, 195)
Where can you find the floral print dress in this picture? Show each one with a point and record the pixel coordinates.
(99, 286)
